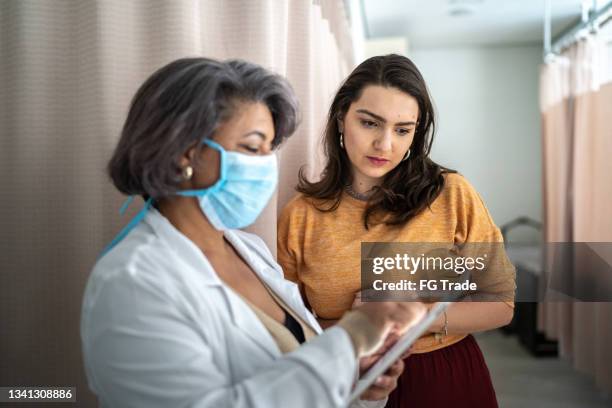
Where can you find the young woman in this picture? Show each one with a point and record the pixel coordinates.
(380, 185)
(184, 309)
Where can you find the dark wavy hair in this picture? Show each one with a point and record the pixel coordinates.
(411, 186)
(179, 106)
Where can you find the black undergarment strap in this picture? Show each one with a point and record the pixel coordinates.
(294, 327)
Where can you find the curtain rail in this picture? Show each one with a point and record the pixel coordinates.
(595, 20)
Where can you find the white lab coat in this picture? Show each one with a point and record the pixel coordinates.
(160, 329)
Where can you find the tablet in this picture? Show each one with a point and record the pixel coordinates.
(399, 348)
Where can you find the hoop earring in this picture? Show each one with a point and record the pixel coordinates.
(407, 155)
(341, 140)
(187, 172)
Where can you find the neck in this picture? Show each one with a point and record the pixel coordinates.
(363, 184)
(185, 215)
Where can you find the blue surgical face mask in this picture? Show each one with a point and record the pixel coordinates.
(246, 184)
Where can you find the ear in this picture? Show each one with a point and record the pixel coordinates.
(187, 157)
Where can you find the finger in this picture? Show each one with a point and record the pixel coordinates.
(385, 382)
(373, 395)
(407, 353)
(357, 301)
(366, 362)
(396, 369)
(392, 338)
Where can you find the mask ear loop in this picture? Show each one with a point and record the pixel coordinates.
(149, 202)
(222, 157)
(133, 222)
(222, 173)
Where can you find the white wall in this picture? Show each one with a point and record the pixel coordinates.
(489, 123)
(385, 45)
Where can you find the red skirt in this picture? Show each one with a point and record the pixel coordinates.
(455, 376)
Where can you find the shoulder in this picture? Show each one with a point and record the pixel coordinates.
(298, 204)
(458, 188)
(456, 181)
(141, 264)
(141, 252)
(133, 257)
(296, 211)
(304, 205)
(146, 278)
(460, 197)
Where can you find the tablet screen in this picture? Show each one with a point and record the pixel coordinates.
(396, 351)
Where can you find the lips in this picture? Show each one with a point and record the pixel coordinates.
(377, 161)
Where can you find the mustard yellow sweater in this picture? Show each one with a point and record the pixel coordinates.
(321, 250)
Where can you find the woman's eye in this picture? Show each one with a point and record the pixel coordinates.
(251, 149)
(368, 123)
(402, 131)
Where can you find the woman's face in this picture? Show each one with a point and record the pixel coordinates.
(249, 131)
(378, 130)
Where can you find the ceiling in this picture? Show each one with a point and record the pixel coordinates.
(431, 23)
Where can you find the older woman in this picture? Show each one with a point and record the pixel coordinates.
(183, 309)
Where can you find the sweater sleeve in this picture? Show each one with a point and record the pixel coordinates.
(475, 228)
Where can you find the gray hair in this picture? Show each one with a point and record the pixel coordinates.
(182, 104)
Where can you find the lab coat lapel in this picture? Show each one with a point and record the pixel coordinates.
(290, 294)
(241, 314)
(247, 321)
(265, 268)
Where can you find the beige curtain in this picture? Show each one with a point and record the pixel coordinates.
(577, 138)
(68, 71)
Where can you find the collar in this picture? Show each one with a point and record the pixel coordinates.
(256, 256)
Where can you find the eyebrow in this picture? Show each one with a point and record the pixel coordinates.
(380, 118)
(255, 132)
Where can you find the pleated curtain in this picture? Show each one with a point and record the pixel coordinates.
(576, 105)
(68, 70)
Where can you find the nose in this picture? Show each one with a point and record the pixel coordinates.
(266, 149)
(383, 141)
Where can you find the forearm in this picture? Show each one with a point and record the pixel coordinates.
(470, 317)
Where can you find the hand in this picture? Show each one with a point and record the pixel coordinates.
(357, 301)
(384, 384)
(369, 324)
(391, 338)
(387, 382)
(366, 362)
(391, 317)
(372, 323)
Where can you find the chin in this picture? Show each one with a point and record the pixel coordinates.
(375, 173)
